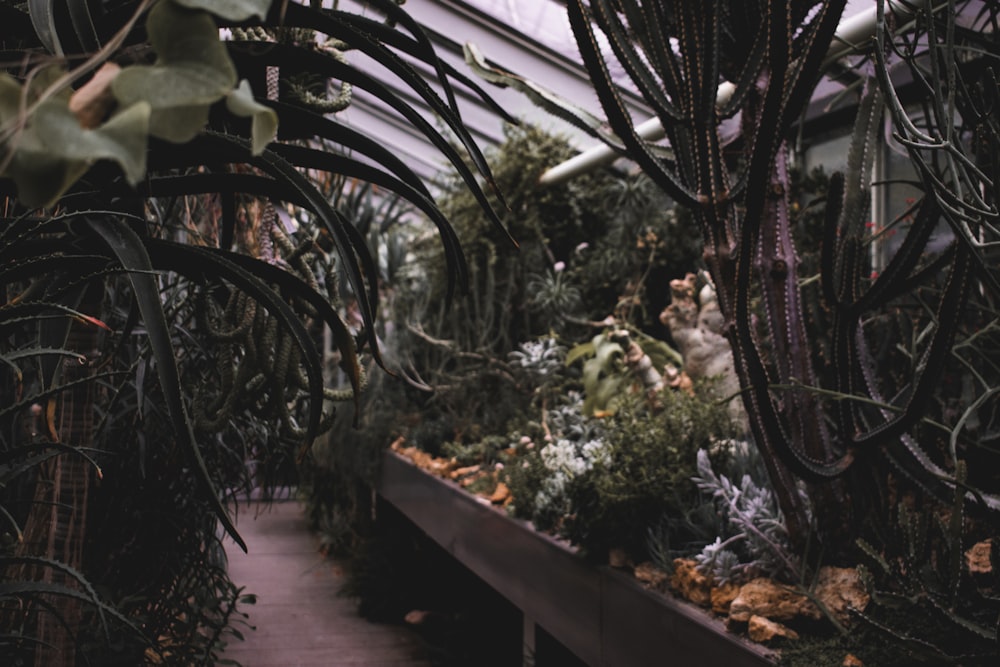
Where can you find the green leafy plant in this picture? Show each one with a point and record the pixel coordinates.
(820, 423)
(605, 483)
(160, 326)
(645, 473)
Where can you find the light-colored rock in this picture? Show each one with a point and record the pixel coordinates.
(691, 584)
(618, 558)
(851, 660)
(417, 617)
(837, 588)
(466, 482)
(500, 494)
(462, 472)
(763, 630)
(423, 460)
(764, 597)
(650, 575)
(723, 596)
(977, 558)
(840, 589)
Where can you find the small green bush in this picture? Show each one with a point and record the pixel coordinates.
(646, 473)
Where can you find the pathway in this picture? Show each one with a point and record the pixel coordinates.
(300, 619)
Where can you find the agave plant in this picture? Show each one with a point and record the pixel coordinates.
(155, 308)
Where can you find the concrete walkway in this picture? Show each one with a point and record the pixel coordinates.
(299, 617)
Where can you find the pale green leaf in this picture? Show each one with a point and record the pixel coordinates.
(581, 351)
(241, 102)
(192, 72)
(41, 178)
(52, 150)
(122, 138)
(232, 10)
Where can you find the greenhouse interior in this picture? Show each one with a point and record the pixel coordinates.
(496, 333)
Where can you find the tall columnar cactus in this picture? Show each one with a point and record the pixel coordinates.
(705, 67)
(677, 54)
(743, 216)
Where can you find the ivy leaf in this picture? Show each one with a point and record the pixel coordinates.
(231, 10)
(192, 71)
(241, 102)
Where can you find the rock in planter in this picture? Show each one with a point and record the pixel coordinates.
(767, 598)
(838, 589)
(763, 630)
(723, 596)
(650, 575)
(977, 558)
(500, 495)
(691, 584)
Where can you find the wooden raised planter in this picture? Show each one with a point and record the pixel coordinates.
(602, 615)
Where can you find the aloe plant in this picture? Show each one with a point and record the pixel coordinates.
(133, 245)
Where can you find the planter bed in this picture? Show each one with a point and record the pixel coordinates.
(604, 616)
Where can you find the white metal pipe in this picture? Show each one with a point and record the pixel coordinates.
(851, 33)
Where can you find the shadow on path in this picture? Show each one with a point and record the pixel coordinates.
(299, 617)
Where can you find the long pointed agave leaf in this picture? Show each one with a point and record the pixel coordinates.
(40, 260)
(48, 394)
(87, 594)
(417, 47)
(422, 45)
(127, 246)
(172, 156)
(293, 285)
(316, 159)
(291, 57)
(45, 451)
(10, 358)
(347, 246)
(16, 315)
(336, 25)
(353, 141)
(541, 97)
(295, 187)
(262, 186)
(351, 252)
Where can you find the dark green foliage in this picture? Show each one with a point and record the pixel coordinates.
(161, 325)
(607, 230)
(622, 476)
(645, 474)
(915, 568)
